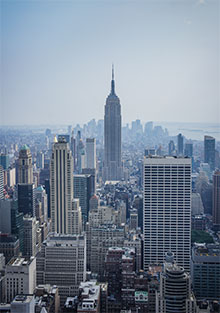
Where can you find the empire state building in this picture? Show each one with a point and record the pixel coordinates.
(112, 169)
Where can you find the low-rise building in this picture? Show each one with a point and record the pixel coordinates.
(89, 297)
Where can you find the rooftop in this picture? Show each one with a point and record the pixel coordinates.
(24, 147)
(207, 250)
(22, 299)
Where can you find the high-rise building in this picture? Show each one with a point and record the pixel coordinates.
(167, 210)
(1, 182)
(62, 262)
(175, 293)
(81, 156)
(102, 238)
(188, 151)
(83, 190)
(73, 149)
(4, 161)
(20, 277)
(171, 147)
(76, 217)
(26, 199)
(209, 151)
(40, 160)
(180, 144)
(216, 199)
(40, 195)
(61, 187)
(9, 246)
(25, 169)
(205, 271)
(112, 136)
(30, 233)
(90, 153)
(11, 221)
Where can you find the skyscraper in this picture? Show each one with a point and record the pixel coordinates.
(209, 151)
(25, 170)
(188, 151)
(1, 183)
(216, 199)
(171, 147)
(26, 199)
(61, 187)
(167, 209)
(180, 144)
(112, 136)
(90, 153)
(83, 190)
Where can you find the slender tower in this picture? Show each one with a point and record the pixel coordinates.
(25, 170)
(61, 187)
(112, 169)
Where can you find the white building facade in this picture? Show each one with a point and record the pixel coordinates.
(167, 210)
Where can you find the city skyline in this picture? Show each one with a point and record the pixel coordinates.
(48, 65)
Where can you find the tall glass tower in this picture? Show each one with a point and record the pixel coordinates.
(112, 169)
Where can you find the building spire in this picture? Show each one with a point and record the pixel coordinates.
(113, 81)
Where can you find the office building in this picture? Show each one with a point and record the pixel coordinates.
(103, 237)
(92, 173)
(62, 262)
(30, 234)
(73, 149)
(11, 176)
(26, 199)
(1, 182)
(9, 246)
(175, 293)
(4, 161)
(205, 271)
(11, 221)
(61, 187)
(40, 160)
(90, 153)
(171, 148)
(112, 169)
(83, 190)
(180, 144)
(81, 155)
(209, 151)
(76, 217)
(188, 151)
(20, 277)
(167, 210)
(216, 200)
(41, 195)
(25, 169)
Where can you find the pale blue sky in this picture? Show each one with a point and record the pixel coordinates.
(56, 60)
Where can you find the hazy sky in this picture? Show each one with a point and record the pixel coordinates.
(56, 60)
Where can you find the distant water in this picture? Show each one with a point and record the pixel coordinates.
(195, 131)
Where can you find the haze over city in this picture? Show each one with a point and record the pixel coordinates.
(56, 60)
